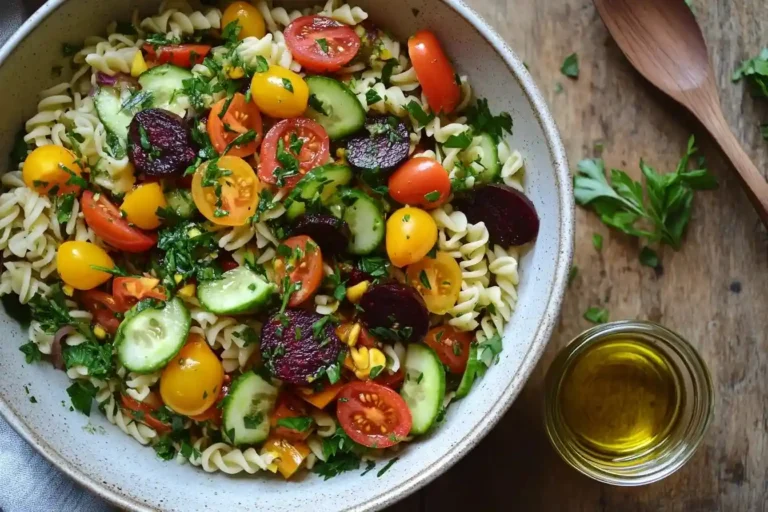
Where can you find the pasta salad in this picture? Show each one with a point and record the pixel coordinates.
(262, 239)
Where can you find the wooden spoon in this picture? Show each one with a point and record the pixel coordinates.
(662, 40)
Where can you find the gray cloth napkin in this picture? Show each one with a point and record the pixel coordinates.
(29, 482)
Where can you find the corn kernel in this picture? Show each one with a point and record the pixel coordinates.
(178, 278)
(188, 291)
(353, 335)
(386, 54)
(68, 290)
(236, 73)
(99, 332)
(139, 65)
(360, 357)
(355, 293)
(376, 358)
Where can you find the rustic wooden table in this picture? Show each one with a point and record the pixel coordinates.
(712, 291)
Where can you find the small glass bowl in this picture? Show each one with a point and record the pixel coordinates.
(696, 395)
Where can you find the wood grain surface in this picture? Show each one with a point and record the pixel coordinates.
(712, 291)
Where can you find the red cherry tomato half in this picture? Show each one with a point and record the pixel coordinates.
(420, 182)
(105, 219)
(434, 71)
(240, 117)
(373, 415)
(321, 44)
(182, 55)
(289, 406)
(127, 291)
(287, 136)
(146, 408)
(103, 308)
(303, 267)
(451, 346)
(391, 380)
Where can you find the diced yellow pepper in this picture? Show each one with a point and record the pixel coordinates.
(139, 65)
(99, 332)
(367, 359)
(354, 335)
(188, 291)
(355, 293)
(359, 357)
(178, 278)
(290, 454)
(194, 233)
(68, 290)
(235, 73)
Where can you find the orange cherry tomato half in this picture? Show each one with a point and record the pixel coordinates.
(435, 72)
(289, 135)
(289, 406)
(373, 415)
(182, 55)
(103, 308)
(321, 44)
(303, 267)
(240, 118)
(127, 291)
(145, 410)
(236, 201)
(451, 346)
(420, 182)
(108, 224)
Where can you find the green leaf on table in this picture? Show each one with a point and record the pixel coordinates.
(649, 258)
(597, 242)
(570, 67)
(596, 315)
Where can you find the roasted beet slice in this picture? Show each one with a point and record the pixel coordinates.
(160, 143)
(393, 311)
(291, 350)
(330, 233)
(383, 145)
(510, 217)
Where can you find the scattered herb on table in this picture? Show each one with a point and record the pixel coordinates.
(570, 67)
(596, 315)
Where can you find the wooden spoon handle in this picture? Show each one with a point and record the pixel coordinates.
(751, 179)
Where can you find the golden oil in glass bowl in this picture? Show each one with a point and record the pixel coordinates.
(628, 402)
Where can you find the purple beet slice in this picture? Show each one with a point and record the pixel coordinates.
(383, 145)
(395, 312)
(298, 345)
(508, 214)
(330, 233)
(160, 143)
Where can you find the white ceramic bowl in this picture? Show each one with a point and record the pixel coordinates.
(116, 467)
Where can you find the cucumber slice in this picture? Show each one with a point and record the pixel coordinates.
(147, 339)
(490, 158)
(166, 83)
(318, 184)
(424, 386)
(365, 219)
(240, 290)
(470, 373)
(247, 408)
(109, 107)
(180, 201)
(345, 114)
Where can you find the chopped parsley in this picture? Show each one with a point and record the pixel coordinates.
(570, 67)
(386, 467)
(253, 421)
(424, 280)
(417, 113)
(323, 44)
(386, 73)
(596, 315)
(460, 141)
(597, 241)
(318, 105)
(479, 116)
(82, 393)
(371, 97)
(298, 423)
(432, 196)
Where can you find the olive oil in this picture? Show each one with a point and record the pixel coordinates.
(620, 399)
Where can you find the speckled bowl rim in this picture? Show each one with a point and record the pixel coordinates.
(541, 338)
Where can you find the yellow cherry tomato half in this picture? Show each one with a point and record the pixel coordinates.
(411, 234)
(191, 381)
(236, 201)
(75, 262)
(248, 17)
(438, 280)
(140, 205)
(52, 166)
(279, 92)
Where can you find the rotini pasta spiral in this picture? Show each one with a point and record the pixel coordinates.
(344, 13)
(474, 266)
(227, 459)
(511, 166)
(271, 47)
(452, 228)
(464, 316)
(114, 413)
(138, 386)
(182, 20)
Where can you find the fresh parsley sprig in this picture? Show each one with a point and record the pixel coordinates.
(660, 214)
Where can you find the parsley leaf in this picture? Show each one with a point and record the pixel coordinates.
(323, 44)
(82, 393)
(479, 116)
(386, 467)
(372, 97)
(755, 72)
(230, 32)
(432, 196)
(596, 315)
(649, 258)
(460, 141)
(417, 113)
(597, 242)
(298, 423)
(570, 67)
(386, 73)
(164, 448)
(622, 205)
(253, 421)
(31, 352)
(316, 104)
(92, 355)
